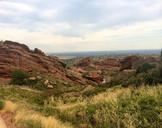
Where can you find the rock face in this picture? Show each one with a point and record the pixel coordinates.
(98, 63)
(84, 62)
(127, 62)
(14, 56)
(85, 71)
(94, 76)
(109, 63)
(18, 56)
(131, 62)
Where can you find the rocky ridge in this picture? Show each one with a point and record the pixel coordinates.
(14, 56)
(85, 71)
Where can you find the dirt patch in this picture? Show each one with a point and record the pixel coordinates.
(5, 81)
(9, 120)
(2, 123)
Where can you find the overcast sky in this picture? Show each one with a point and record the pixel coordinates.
(82, 25)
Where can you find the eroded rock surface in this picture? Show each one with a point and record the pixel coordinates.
(18, 56)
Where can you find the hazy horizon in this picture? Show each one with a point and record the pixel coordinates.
(105, 51)
(118, 53)
(81, 25)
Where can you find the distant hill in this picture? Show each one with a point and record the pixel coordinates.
(107, 53)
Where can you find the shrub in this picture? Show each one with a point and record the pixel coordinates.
(144, 68)
(30, 124)
(160, 72)
(19, 77)
(90, 111)
(49, 111)
(149, 112)
(134, 80)
(2, 103)
(153, 77)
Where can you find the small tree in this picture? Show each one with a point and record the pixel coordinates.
(19, 77)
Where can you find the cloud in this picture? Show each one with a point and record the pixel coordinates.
(143, 35)
(81, 25)
(49, 14)
(15, 7)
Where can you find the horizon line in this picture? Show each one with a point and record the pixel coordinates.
(103, 51)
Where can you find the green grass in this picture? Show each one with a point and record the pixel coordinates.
(22, 95)
(30, 124)
(2, 104)
(111, 108)
(139, 108)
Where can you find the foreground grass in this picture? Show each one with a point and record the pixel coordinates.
(118, 108)
(115, 108)
(27, 118)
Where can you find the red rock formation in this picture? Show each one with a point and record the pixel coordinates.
(18, 56)
(111, 62)
(108, 64)
(128, 62)
(132, 62)
(85, 62)
(95, 77)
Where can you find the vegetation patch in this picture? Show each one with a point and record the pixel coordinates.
(2, 104)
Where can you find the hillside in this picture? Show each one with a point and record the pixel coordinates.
(40, 91)
(14, 55)
(116, 107)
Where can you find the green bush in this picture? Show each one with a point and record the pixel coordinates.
(90, 111)
(49, 111)
(19, 77)
(149, 112)
(134, 80)
(160, 72)
(144, 68)
(2, 104)
(153, 77)
(30, 124)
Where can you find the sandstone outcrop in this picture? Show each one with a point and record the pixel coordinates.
(127, 62)
(99, 64)
(89, 70)
(131, 62)
(14, 56)
(95, 77)
(18, 56)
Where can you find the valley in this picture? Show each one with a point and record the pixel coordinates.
(42, 91)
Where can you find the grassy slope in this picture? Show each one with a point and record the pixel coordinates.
(116, 107)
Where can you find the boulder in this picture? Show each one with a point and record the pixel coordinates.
(50, 86)
(32, 78)
(38, 51)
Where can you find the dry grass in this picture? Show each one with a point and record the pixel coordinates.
(70, 106)
(110, 95)
(23, 114)
(152, 91)
(46, 122)
(114, 94)
(102, 115)
(9, 107)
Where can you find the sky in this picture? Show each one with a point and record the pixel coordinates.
(82, 25)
